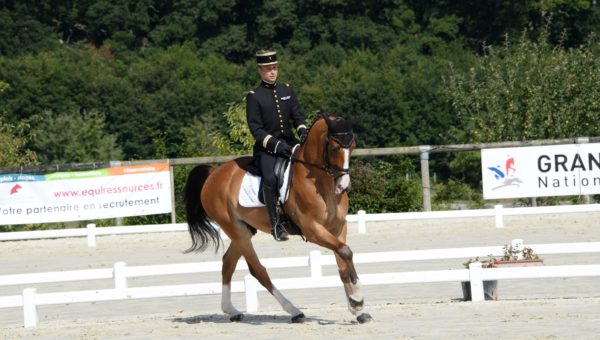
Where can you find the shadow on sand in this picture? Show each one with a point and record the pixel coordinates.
(253, 319)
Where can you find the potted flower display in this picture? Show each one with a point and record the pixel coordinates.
(515, 255)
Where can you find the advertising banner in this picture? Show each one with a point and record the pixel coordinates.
(537, 171)
(85, 195)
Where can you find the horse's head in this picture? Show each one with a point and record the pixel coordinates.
(335, 137)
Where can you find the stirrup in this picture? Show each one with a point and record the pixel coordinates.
(279, 233)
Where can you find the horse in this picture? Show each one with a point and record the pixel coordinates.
(317, 206)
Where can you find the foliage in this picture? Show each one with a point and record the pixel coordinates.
(236, 28)
(165, 78)
(240, 139)
(454, 191)
(13, 141)
(514, 253)
(21, 32)
(142, 99)
(510, 254)
(200, 139)
(529, 91)
(74, 137)
(466, 167)
(385, 187)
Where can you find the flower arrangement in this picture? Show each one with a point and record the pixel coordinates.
(512, 254)
(515, 253)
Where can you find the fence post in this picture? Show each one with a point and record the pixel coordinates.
(172, 180)
(91, 235)
(475, 271)
(314, 260)
(30, 316)
(362, 223)
(120, 275)
(498, 215)
(424, 152)
(250, 286)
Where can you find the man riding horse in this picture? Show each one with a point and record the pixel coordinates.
(316, 206)
(271, 109)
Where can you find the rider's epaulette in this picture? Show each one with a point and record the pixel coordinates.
(251, 92)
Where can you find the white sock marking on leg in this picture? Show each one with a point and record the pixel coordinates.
(226, 305)
(285, 303)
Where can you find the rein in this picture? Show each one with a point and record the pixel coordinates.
(332, 171)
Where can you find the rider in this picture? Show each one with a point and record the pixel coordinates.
(270, 110)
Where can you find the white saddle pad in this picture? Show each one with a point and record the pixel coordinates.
(250, 185)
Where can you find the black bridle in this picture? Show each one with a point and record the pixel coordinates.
(343, 139)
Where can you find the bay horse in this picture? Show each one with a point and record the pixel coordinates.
(317, 205)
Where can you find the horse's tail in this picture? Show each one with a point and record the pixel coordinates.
(201, 230)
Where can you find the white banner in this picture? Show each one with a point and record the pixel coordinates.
(538, 171)
(85, 195)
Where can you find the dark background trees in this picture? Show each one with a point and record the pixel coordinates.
(414, 72)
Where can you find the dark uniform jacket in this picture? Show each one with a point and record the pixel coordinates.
(271, 109)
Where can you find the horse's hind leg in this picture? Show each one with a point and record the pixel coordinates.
(230, 259)
(260, 273)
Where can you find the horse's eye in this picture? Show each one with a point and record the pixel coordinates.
(335, 149)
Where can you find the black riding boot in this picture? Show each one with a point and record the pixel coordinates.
(277, 230)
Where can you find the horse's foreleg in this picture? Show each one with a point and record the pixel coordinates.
(350, 279)
(230, 259)
(351, 283)
(348, 275)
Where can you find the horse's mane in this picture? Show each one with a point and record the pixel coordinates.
(319, 115)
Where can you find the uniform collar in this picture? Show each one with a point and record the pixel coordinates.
(267, 85)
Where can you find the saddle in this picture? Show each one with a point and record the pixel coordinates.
(280, 165)
(251, 192)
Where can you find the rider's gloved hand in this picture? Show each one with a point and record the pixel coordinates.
(302, 132)
(283, 149)
(279, 147)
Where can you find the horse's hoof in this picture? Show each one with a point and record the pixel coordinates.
(364, 317)
(237, 318)
(298, 318)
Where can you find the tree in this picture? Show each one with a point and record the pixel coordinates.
(21, 33)
(13, 142)
(74, 137)
(14, 151)
(385, 187)
(528, 91)
(570, 23)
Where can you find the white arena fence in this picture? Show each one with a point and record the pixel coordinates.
(498, 212)
(29, 299)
